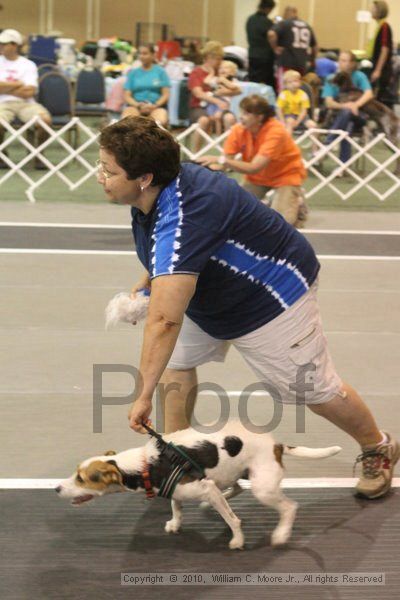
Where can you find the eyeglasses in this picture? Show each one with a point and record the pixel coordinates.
(100, 169)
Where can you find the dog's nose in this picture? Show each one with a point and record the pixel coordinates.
(58, 489)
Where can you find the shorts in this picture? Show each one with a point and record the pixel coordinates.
(24, 111)
(288, 200)
(196, 113)
(285, 352)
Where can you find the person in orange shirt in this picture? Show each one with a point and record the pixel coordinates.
(270, 159)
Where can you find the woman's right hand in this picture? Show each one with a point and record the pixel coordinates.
(144, 282)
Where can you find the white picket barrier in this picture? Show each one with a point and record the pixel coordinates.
(314, 137)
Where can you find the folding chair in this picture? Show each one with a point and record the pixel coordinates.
(47, 68)
(90, 93)
(55, 94)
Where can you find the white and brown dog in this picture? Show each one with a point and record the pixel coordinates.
(226, 456)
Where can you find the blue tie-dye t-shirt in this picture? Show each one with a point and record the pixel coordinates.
(252, 265)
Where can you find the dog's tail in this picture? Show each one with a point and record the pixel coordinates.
(304, 452)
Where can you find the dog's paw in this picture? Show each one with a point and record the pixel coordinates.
(237, 542)
(172, 526)
(280, 536)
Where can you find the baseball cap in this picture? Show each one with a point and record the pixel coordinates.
(8, 36)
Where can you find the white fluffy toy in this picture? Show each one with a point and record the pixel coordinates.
(127, 310)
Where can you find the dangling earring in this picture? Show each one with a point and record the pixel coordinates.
(141, 188)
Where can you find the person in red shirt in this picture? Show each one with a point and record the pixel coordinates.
(270, 159)
(201, 90)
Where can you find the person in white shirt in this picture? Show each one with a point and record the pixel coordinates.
(18, 86)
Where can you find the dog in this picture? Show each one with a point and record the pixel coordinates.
(226, 456)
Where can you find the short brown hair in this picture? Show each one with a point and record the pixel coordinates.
(257, 105)
(140, 146)
(382, 9)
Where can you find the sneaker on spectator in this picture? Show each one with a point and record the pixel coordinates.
(378, 464)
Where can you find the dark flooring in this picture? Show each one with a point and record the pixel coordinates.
(70, 238)
(52, 550)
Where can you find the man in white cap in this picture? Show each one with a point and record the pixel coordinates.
(18, 86)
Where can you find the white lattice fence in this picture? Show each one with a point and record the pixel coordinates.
(322, 152)
(56, 138)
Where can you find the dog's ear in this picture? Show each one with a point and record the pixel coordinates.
(105, 473)
(110, 453)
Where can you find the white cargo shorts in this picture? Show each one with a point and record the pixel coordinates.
(286, 353)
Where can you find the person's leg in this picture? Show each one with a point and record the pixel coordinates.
(178, 388)
(25, 114)
(259, 191)
(7, 114)
(286, 201)
(204, 123)
(289, 124)
(379, 451)
(228, 120)
(343, 120)
(349, 412)
(292, 350)
(130, 111)
(161, 116)
(178, 398)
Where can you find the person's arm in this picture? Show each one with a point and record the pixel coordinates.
(199, 93)
(301, 117)
(357, 104)
(331, 103)
(273, 41)
(240, 166)
(25, 91)
(163, 99)
(366, 97)
(9, 87)
(170, 296)
(383, 56)
(279, 114)
(129, 99)
(226, 87)
(144, 282)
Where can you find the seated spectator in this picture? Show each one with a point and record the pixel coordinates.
(213, 53)
(270, 159)
(224, 85)
(348, 114)
(293, 104)
(18, 86)
(147, 88)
